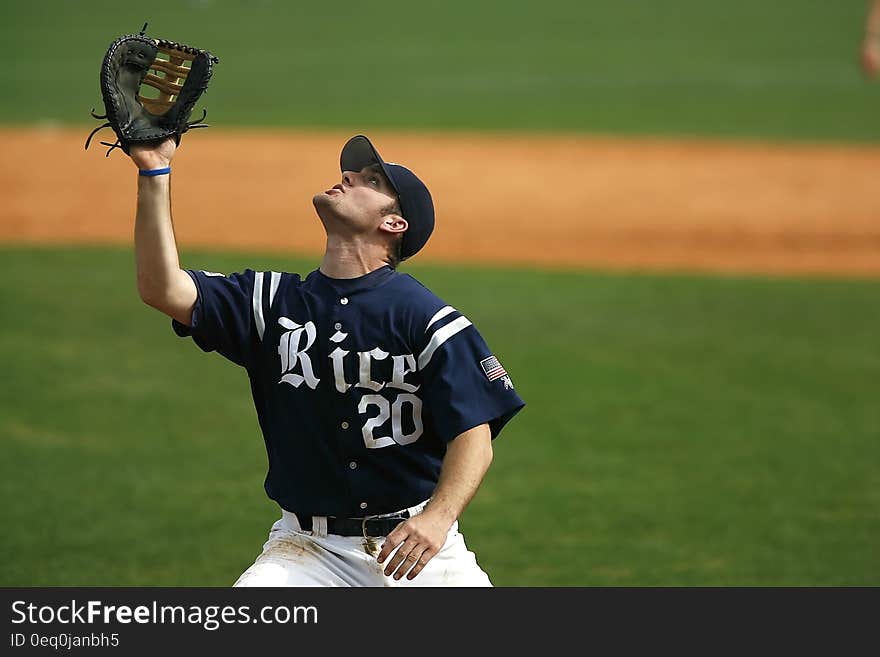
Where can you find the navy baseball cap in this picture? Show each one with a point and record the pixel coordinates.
(416, 204)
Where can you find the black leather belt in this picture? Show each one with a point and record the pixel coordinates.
(373, 527)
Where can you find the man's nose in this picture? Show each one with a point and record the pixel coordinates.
(349, 178)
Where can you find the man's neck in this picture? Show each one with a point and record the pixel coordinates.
(349, 260)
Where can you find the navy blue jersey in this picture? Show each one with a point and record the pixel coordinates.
(358, 383)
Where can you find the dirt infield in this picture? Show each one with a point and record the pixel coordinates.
(557, 201)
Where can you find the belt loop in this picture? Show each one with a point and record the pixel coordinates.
(319, 526)
(289, 521)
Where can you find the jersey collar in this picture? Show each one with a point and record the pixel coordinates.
(347, 286)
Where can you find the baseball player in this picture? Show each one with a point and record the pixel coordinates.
(378, 402)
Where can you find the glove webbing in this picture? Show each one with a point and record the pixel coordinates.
(174, 71)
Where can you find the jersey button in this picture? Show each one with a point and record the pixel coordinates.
(363, 505)
(353, 465)
(344, 425)
(344, 301)
(337, 326)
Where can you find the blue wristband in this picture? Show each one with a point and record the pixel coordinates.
(154, 172)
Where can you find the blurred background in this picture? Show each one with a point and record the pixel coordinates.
(663, 217)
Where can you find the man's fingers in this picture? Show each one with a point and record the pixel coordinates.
(402, 553)
(420, 563)
(393, 539)
(410, 561)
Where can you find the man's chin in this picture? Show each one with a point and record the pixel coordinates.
(324, 203)
(325, 208)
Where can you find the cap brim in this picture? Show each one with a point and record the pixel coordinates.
(358, 153)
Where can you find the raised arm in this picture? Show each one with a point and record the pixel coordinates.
(161, 282)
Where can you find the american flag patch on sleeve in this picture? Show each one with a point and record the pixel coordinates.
(492, 368)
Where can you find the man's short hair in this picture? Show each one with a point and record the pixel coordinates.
(395, 251)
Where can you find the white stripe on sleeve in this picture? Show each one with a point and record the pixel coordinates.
(440, 314)
(273, 286)
(258, 304)
(441, 336)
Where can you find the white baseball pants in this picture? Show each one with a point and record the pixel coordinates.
(293, 557)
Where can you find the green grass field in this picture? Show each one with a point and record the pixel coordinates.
(782, 70)
(680, 430)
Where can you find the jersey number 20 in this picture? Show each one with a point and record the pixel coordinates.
(393, 411)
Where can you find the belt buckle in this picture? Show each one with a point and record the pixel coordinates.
(364, 526)
(399, 516)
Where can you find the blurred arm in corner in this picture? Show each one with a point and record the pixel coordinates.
(870, 52)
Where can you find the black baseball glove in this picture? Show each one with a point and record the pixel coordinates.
(179, 73)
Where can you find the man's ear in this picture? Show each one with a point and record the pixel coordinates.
(393, 223)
